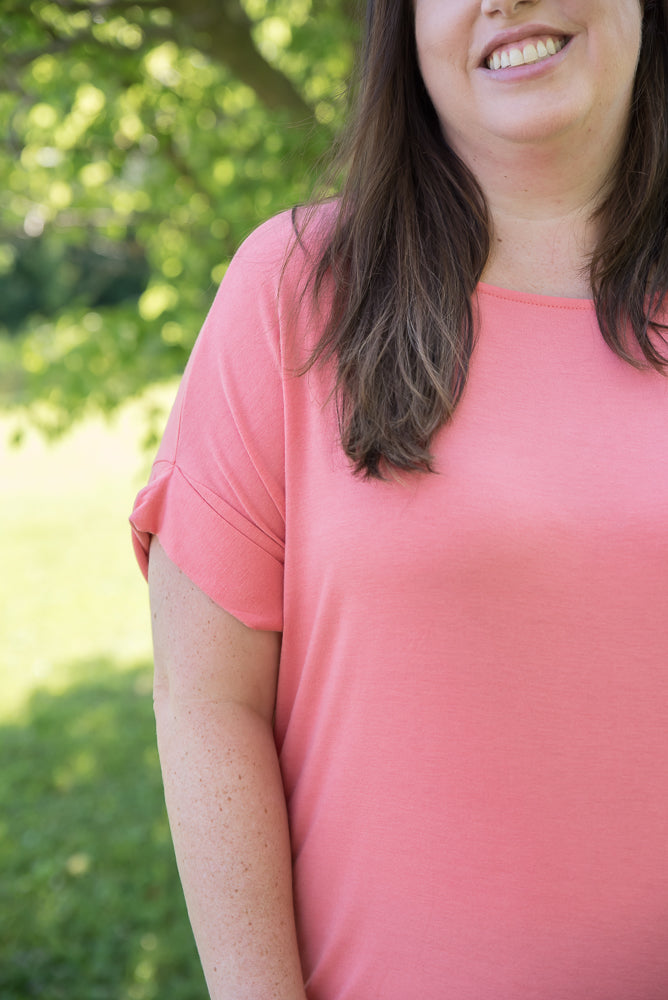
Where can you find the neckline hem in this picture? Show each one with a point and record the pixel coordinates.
(535, 298)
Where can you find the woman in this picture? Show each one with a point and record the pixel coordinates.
(409, 522)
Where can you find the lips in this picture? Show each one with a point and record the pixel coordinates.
(522, 46)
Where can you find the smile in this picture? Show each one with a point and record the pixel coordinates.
(532, 51)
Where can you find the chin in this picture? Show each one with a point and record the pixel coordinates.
(538, 127)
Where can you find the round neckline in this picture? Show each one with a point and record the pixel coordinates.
(534, 298)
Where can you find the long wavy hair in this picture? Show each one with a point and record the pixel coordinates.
(411, 238)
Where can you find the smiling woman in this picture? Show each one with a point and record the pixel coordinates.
(410, 580)
(536, 203)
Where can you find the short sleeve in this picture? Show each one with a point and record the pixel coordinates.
(216, 495)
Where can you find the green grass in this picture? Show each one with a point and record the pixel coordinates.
(90, 903)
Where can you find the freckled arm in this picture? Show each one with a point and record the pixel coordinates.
(215, 685)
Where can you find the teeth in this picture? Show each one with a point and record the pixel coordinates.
(530, 53)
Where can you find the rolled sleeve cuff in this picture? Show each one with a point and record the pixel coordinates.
(228, 557)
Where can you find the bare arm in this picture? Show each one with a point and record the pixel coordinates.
(215, 683)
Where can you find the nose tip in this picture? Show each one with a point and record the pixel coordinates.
(505, 7)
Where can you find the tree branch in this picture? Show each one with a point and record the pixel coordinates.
(222, 30)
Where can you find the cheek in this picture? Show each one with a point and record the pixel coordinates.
(621, 60)
(425, 36)
(443, 28)
(623, 33)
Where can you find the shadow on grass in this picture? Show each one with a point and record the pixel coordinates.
(90, 903)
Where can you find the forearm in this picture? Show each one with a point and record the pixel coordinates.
(228, 818)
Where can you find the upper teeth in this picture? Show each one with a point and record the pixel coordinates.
(529, 53)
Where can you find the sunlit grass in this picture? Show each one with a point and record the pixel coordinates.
(90, 904)
(69, 589)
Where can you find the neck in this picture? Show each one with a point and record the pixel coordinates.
(541, 204)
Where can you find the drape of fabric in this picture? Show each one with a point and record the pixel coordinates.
(473, 690)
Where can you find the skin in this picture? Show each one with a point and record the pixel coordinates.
(215, 683)
(542, 143)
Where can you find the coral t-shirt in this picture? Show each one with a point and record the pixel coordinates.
(472, 713)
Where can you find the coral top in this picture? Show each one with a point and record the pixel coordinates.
(472, 715)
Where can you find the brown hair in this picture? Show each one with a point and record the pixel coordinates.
(411, 239)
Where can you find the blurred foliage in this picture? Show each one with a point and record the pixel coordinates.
(144, 140)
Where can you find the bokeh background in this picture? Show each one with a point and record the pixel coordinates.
(142, 141)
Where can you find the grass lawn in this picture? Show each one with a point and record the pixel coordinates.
(90, 904)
